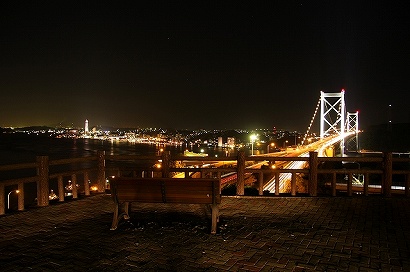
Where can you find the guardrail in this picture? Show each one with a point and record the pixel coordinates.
(380, 178)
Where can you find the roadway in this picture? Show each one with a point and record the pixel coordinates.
(303, 151)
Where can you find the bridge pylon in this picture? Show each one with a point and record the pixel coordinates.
(352, 125)
(332, 115)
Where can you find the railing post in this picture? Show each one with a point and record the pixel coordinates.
(366, 184)
(387, 173)
(240, 181)
(74, 185)
(2, 200)
(277, 184)
(61, 193)
(334, 184)
(350, 184)
(101, 171)
(219, 178)
(313, 163)
(165, 164)
(293, 185)
(260, 183)
(86, 184)
(20, 196)
(42, 183)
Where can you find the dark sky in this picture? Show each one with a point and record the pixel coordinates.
(201, 64)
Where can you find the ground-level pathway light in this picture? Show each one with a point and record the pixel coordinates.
(8, 198)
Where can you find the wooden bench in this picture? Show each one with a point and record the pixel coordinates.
(125, 190)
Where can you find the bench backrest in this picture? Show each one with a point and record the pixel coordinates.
(166, 190)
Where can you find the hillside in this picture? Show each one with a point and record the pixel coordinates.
(386, 137)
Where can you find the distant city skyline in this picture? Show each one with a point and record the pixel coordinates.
(191, 65)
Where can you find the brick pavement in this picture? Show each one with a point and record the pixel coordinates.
(254, 234)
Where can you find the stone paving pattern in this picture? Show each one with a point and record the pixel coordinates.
(254, 234)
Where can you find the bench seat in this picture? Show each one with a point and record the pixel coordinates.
(126, 190)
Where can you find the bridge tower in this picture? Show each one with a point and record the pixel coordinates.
(352, 125)
(332, 115)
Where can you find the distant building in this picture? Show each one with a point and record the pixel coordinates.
(220, 143)
(86, 126)
(231, 142)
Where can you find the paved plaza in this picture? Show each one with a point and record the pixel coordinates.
(254, 234)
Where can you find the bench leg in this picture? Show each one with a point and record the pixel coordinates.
(115, 217)
(127, 210)
(215, 217)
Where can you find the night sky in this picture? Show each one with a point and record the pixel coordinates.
(201, 64)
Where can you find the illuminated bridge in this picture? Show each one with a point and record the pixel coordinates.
(337, 127)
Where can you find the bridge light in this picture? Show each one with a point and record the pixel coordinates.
(253, 138)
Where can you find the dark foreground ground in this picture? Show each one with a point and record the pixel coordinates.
(254, 234)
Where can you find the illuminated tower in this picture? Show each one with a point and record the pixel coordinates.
(86, 126)
(332, 116)
(352, 123)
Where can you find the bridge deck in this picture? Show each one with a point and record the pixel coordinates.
(254, 234)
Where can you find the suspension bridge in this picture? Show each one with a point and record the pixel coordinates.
(337, 127)
(335, 120)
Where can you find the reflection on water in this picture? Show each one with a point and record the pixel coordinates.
(22, 148)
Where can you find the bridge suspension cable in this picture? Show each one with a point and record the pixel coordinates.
(311, 122)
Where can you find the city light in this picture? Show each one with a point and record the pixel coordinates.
(253, 138)
(8, 198)
(272, 145)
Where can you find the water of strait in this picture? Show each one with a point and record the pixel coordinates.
(22, 148)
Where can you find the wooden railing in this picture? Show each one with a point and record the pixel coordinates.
(380, 178)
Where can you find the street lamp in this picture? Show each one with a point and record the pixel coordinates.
(253, 138)
(271, 145)
(8, 198)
